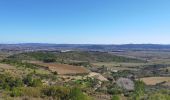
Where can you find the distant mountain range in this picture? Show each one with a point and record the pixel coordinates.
(93, 47)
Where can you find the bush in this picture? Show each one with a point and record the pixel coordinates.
(77, 94)
(61, 93)
(115, 97)
(139, 90)
(8, 82)
(15, 92)
(29, 81)
(160, 95)
(36, 83)
(31, 91)
(64, 93)
(55, 73)
(49, 60)
(114, 90)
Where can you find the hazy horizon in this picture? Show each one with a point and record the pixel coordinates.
(85, 43)
(85, 22)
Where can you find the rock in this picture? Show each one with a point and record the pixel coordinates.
(97, 76)
(126, 84)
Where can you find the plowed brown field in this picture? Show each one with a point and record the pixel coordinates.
(63, 68)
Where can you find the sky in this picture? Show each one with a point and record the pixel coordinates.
(85, 21)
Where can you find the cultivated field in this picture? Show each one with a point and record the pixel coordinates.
(63, 68)
(96, 74)
(155, 80)
(119, 66)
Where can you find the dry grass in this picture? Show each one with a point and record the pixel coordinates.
(19, 72)
(155, 80)
(97, 76)
(5, 66)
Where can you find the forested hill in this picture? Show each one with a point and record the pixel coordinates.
(46, 46)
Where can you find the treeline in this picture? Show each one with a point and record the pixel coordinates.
(65, 57)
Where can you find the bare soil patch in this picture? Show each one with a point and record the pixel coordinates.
(63, 68)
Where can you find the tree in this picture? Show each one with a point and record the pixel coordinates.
(49, 60)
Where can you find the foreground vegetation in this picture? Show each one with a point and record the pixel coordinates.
(25, 80)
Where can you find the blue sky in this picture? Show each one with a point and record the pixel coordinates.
(85, 21)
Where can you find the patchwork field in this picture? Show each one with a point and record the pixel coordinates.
(96, 74)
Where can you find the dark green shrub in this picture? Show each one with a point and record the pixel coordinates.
(114, 90)
(29, 81)
(55, 73)
(49, 60)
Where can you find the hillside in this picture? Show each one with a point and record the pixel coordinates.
(92, 47)
(74, 56)
(91, 75)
